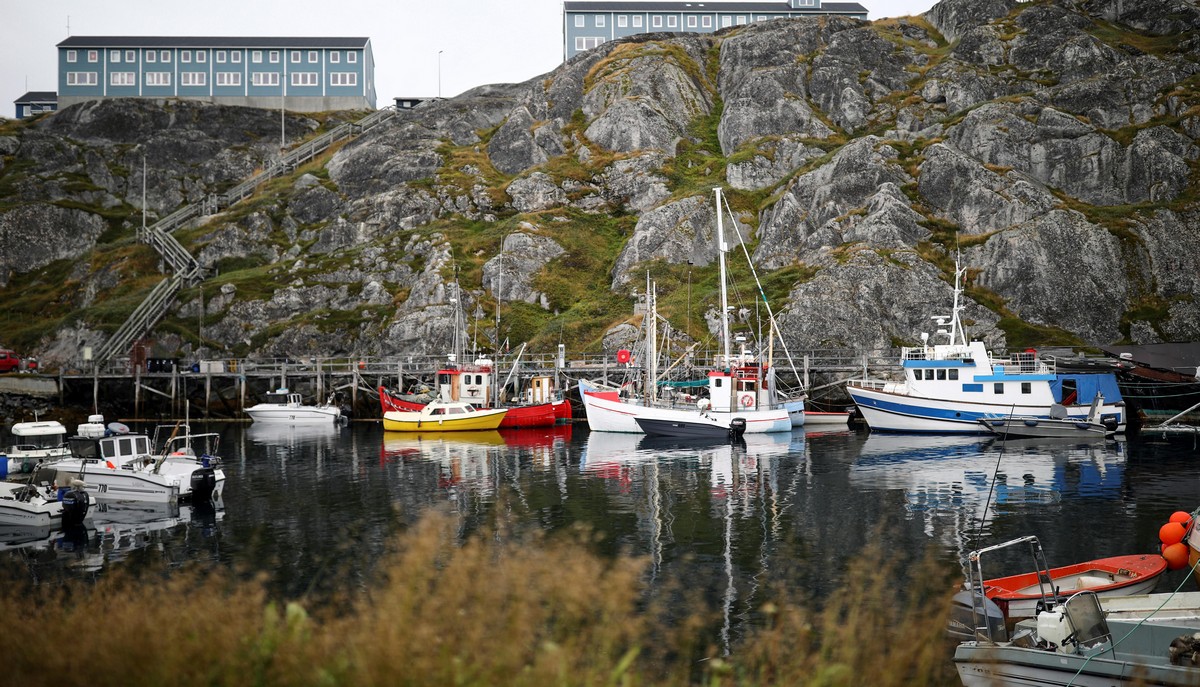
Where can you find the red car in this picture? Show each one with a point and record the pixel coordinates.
(9, 361)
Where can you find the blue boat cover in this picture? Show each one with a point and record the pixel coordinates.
(1087, 386)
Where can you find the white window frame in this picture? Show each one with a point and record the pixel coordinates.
(273, 56)
(256, 56)
(122, 78)
(295, 57)
(72, 56)
(229, 79)
(114, 56)
(264, 78)
(185, 56)
(220, 56)
(156, 79)
(656, 21)
(580, 21)
(305, 79)
(741, 20)
(622, 21)
(313, 57)
(343, 78)
(164, 56)
(131, 56)
(335, 56)
(202, 56)
(671, 21)
(193, 78)
(235, 56)
(599, 21)
(351, 57)
(637, 21)
(726, 21)
(93, 56)
(81, 78)
(691, 21)
(706, 21)
(151, 56)
(587, 42)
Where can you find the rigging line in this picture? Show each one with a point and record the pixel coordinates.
(992, 487)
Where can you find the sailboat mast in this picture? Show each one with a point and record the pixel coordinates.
(651, 342)
(721, 248)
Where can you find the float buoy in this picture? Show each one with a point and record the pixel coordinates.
(623, 356)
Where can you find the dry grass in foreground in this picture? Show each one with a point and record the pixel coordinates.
(486, 612)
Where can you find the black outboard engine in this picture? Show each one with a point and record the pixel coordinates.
(737, 427)
(1110, 423)
(972, 614)
(75, 504)
(204, 482)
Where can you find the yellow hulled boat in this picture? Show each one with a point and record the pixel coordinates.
(443, 417)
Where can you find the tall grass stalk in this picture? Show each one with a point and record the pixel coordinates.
(496, 609)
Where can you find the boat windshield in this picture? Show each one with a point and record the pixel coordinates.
(1087, 619)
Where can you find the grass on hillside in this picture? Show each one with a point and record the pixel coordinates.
(499, 608)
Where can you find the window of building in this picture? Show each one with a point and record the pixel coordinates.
(587, 42)
(656, 21)
(221, 56)
(131, 56)
(335, 56)
(273, 56)
(158, 78)
(313, 57)
(93, 56)
(193, 79)
(998, 388)
(81, 78)
(706, 21)
(351, 56)
(622, 21)
(202, 56)
(264, 79)
(164, 56)
(229, 78)
(637, 21)
(726, 21)
(1026, 388)
(295, 57)
(114, 56)
(185, 56)
(235, 56)
(672, 20)
(72, 56)
(691, 23)
(741, 20)
(579, 21)
(256, 56)
(122, 79)
(151, 56)
(599, 21)
(305, 79)
(343, 79)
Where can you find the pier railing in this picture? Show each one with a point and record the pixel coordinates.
(187, 270)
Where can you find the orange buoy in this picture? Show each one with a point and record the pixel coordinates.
(1171, 533)
(1176, 555)
(1181, 517)
(623, 356)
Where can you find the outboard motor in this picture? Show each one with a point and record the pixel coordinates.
(75, 504)
(971, 611)
(204, 482)
(737, 427)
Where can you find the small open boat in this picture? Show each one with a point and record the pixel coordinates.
(440, 416)
(1018, 595)
(701, 427)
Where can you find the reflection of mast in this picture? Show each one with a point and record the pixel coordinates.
(730, 589)
(655, 502)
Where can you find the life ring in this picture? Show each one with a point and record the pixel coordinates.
(747, 401)
(623, 356)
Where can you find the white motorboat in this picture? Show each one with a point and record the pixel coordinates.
(34, 441)
(948, 388)
(740, 386)
(1057, 426)
(40, 505)
(125, 467)
(285, 406)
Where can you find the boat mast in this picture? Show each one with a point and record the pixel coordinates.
(958, 335)
(651, 341)
(721, 248)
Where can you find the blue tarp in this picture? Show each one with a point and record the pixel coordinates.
(688, 384)
(1088, 385)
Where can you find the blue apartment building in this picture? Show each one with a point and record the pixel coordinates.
(301, 74)
(588, 23)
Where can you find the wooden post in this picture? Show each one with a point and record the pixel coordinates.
(806, 371)
(137, 391)
(320, 383)
(242, 390)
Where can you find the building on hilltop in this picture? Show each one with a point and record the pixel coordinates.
(589, 23)
(35, 103)
(309, 74)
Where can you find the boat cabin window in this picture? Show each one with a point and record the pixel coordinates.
(747, 386)
(998, 387)
(84, 448)
(1070, 392)
(717, 382)
(444, 378)
(929, 374)
(1026, 388)
(437, 411)
(941, 374)
(456, 411)
(479, 379)
(277, 398)
(953, 373)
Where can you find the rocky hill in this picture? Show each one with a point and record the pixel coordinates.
(1051, 144)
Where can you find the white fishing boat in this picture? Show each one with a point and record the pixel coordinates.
(740, 386)
(949, 387)
(125, 467)
(40, 504)
(284, 406)
(34, 441)
(825, 418)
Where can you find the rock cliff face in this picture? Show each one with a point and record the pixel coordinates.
(1051, 145)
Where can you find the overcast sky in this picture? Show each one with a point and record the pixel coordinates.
(480, 42)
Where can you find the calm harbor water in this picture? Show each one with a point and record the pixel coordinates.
(315, 509)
